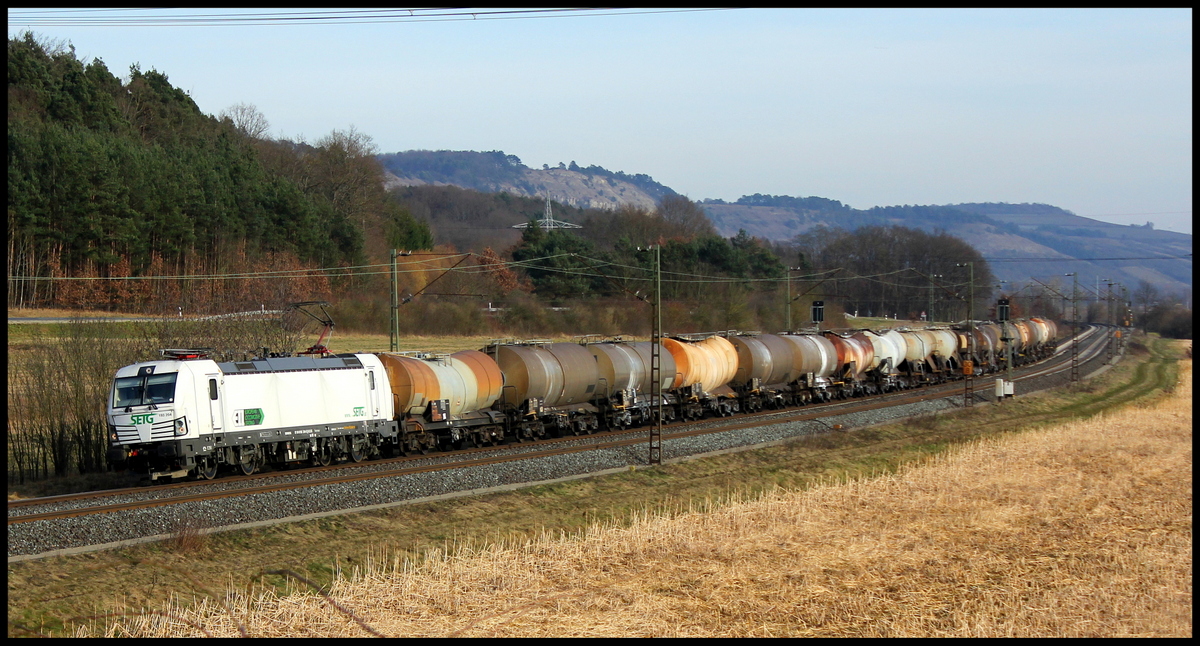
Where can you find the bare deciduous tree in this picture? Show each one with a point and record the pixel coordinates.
(1145, 295)
(247, 119)
(685, 217)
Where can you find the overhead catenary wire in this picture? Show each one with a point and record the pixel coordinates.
(278, 273)
(109, 18)
(535, 263)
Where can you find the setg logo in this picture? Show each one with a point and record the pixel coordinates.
(145, 418)
(359, 411)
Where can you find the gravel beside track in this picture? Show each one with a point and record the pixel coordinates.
(38, 539)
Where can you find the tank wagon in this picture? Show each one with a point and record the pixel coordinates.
(778, 370)
(444, 401)
(187, 415)
(704, 366)
(624, 381)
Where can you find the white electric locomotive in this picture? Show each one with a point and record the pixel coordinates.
(187, 413)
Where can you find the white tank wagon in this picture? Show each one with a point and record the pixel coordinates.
(624, 381)
(1045, 334)
(188, 414)
(889, 354)
(946, 348)
(816, 360)
(916, 349)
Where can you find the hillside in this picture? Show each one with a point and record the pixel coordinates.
(593, 187)
(1006, 233)
(1003, 232)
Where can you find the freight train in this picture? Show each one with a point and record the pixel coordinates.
(187, 415)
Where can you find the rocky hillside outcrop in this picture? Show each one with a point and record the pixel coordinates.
(494, 172)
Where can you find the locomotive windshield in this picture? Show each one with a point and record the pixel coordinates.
(144, 389)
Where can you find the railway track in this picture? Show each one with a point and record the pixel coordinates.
(141, 498)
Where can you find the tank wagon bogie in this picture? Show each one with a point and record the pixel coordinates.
(189, 415)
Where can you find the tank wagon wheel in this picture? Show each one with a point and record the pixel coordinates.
(247, 461)
(322, 456)
(207, 469)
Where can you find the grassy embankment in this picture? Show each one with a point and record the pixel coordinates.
(42, 594)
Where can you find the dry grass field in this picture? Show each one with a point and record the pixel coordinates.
(1077, 530)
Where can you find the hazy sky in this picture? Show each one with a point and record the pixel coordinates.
(1089, 110)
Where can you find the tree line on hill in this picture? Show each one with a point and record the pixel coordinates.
(898, 271)
(106, 175)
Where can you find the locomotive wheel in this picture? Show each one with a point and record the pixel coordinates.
(207, 469)
(356, 454)
(247, 462)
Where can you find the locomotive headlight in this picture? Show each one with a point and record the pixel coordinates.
(180, 426)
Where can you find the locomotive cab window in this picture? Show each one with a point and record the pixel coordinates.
(144, 389)
(212, 389)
